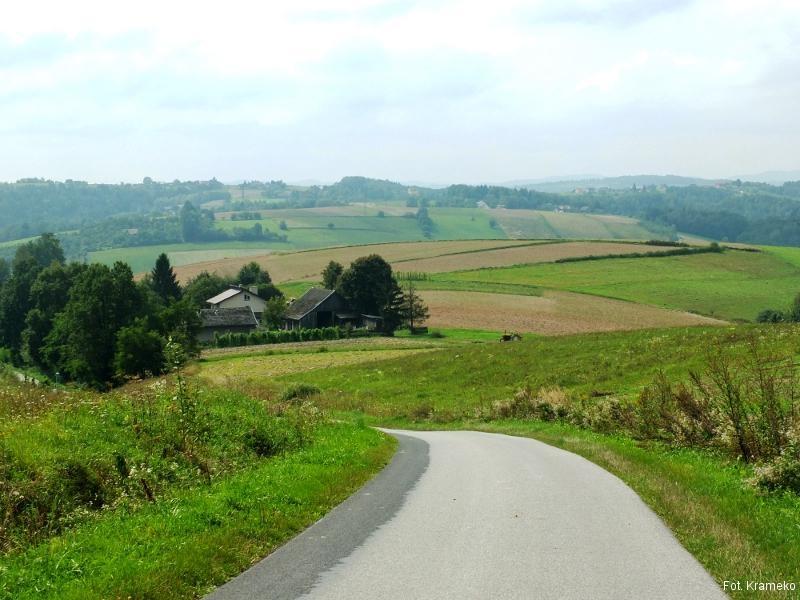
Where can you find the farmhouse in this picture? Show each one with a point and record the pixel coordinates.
(240, 319)
(319, 307)
(237, 296)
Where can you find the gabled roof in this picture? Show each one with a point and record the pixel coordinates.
(308, 302)
(232, 291)
(241, 316)
(229, 293)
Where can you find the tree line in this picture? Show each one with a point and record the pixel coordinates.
(33, 206)
(91, 323)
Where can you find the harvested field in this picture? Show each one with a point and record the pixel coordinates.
(553, 313)
(534, 253)
(558, 225)
(241, 370)
(308, 265)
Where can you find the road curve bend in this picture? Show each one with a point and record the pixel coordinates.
(469, 515)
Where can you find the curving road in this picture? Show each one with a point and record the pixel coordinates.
(468, 515)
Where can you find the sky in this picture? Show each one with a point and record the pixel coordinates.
(440, 91)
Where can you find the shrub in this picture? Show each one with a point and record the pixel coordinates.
(436, 334)
(83, 485)
(299, 392)
(548, 404)
(770, 315)
(783, 472)
(269, 439)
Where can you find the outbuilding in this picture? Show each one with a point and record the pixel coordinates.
(215, 321)
(318, 307)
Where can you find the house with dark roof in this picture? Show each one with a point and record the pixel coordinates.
(240, 319)
(319, 307)
(237, 296)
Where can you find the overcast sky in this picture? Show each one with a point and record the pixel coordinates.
(433, 91)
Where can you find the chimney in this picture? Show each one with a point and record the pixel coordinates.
(254, 290)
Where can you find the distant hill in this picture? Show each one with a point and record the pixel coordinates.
(771, 177)
(616, 183)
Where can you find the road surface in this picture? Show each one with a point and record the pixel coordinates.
(468, 515)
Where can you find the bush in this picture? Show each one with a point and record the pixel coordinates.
(783, 472)
(299, 392)
(771, 316)
(270, 438)
(436, 334)
(83, 485)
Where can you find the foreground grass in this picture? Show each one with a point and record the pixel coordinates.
(162, 489)
(185, 545)
(735, 532)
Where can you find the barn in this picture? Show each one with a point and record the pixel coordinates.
(319, 307)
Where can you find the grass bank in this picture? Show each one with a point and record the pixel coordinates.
(162, 493)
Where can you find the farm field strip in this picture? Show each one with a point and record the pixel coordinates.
(730, 285)
(552, 313)
(520, 223)
(528, 254)
(309, 264)
(241, 369)
(296, 348)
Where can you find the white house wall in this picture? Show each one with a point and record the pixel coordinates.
(257, 304)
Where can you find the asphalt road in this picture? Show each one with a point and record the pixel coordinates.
(474, 515)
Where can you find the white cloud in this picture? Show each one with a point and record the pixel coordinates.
(513, 88)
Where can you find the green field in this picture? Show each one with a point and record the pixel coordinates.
(142, 258)
(729, 285)
(359, 225)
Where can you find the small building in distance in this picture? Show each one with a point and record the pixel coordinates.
(237, 296)
(319, 307)
(240, 319)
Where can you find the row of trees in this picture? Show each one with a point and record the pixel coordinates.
(92, 323)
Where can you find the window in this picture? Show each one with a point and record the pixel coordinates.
(247, 298)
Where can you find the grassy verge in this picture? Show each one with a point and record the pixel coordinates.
(161, 491)
(228, 526)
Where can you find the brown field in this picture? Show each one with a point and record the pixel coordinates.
(553, 313)
(505, 257)
(297, 266)
(242, 370)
